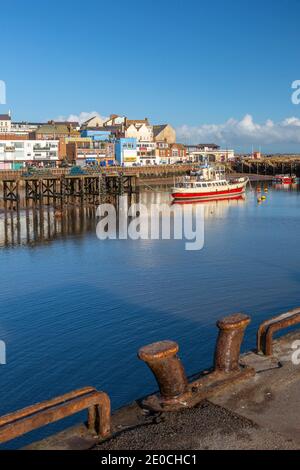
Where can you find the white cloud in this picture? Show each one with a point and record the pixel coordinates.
(243, 133)
(82, 117)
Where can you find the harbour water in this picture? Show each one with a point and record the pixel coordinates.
(75, 310)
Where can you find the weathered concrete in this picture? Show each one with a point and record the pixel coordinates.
(271, 398)
(205, 427)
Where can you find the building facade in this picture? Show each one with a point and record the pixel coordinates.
(115, 120)
(208, 152)
(16, 154)
(95, 121)
(140, 131)
(146, 153)
(91, 152)
(170, 153)
(164, 133)
(24, 128)
(126, 151)
(5, 124)
(56, 131)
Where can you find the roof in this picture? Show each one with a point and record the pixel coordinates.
(89, 120)
(86, 123)
(157, 129)
(129, 122)
(53, 129)
(68, 123)
(180, 146)
(208, 145)
(201, 146)
(115, 128)
(5, 117)
(25, 123)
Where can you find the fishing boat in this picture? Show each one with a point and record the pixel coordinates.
(208, 183)
(285, 179)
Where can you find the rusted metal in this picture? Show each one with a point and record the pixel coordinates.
(269, 327)
(231, 333)
(175, 391)
(167, 368)
(23, 421)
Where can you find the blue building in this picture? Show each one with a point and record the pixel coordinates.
(96, 134)
(126, 152)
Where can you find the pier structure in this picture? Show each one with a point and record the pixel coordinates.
(45, 189)
(268, 165)
(63, 186)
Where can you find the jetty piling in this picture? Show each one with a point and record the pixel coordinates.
(19, 190)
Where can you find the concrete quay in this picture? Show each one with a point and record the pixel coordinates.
(258, 411)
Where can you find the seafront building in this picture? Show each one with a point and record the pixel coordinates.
(16, 154)
(116, 140)
(164, 133)
(5, 123)
(211, 152)
(170, 153)
(126, 151)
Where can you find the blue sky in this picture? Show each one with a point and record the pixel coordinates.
(191, 63)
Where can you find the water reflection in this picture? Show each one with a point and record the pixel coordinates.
(43, 224)
(74, 313)
(36, 226)
(285, 187)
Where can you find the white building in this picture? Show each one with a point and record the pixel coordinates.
(140, 131)
(24, 128)
(210, 152)
(16, 154)
(94, 121)
(115, 120)
(5, 123)
(146, 152)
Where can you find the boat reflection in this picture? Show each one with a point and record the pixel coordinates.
(211, 201)
(286, 187)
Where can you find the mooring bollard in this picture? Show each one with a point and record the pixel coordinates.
(229, 342)
(167, 368)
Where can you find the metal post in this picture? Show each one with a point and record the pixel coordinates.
(167, 368)
(231, 333)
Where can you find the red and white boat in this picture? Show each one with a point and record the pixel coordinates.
(209, 183)
(285, 179)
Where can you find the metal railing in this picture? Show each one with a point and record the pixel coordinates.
(269, 327)
(41, 414)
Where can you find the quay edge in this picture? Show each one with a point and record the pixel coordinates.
(258, 411)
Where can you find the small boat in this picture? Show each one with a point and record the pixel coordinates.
(209, 183)
(285, 179)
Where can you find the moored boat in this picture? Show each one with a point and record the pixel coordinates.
(285, 179)
(209, 183)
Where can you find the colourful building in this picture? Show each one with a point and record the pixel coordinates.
(126, 151)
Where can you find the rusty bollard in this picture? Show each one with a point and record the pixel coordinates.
(167, 368)
(231, 333)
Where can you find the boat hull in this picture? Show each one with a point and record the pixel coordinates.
(222, 194)
(285, 179)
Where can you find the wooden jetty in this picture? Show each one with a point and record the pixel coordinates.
(62, 186)
(56, 189)
(268, 165)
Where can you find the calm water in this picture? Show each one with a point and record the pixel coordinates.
(74, 310)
